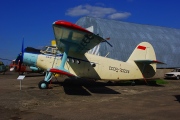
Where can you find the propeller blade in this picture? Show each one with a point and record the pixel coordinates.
(21, 55)
(19, 59)
(22, 51)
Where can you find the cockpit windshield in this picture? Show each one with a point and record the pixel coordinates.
(44, 48)
(50, 50)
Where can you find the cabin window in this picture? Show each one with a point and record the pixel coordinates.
(54, 51)
(78, 62)
(72, 60)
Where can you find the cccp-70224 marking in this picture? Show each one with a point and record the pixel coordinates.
(118, 69)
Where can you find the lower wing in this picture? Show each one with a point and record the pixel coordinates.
(54, 70)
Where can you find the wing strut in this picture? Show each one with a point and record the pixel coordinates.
(45, 83)
(66, 50)
(64, 58)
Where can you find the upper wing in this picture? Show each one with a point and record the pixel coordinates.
(78, 39)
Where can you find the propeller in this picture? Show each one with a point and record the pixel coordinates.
(19, 59)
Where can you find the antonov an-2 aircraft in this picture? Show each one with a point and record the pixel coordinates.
(74, 41)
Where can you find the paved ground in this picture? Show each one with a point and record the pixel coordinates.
(80, 100)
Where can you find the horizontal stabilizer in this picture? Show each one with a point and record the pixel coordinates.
(148, 61)
(54, 70)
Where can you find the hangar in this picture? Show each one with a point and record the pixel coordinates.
(125, 36)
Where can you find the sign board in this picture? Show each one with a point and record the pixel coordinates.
(21, 77)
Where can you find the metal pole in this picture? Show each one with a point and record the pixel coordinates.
(20, 84)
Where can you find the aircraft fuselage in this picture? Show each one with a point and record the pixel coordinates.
(91, 66)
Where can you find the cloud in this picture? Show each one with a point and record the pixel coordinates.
(77, 11)
(96, 11)
(119, 15)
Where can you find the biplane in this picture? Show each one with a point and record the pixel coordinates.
(73, 61)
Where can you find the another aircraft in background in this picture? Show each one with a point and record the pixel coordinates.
(23, 68)
(18, 66)
(73, 43)
(3, 68)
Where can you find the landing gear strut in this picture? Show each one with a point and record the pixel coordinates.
(44, 84)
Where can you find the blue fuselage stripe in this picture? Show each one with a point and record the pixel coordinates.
(30, 58)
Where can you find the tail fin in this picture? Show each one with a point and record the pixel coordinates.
(143, 51)
(143, 56)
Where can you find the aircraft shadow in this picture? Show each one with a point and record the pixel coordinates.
(87, 87)
(177, 98)
(84, 87)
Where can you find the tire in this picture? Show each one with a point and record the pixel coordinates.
(178, 77)
(133, 83)
(43, 85)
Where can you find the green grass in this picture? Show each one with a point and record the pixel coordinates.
(157, 81)
(161, 81)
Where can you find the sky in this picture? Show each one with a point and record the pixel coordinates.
(32, 20)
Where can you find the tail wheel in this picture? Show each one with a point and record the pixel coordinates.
(43, 85)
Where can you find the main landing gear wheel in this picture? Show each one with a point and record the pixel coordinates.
(133, 83)
(43, 85)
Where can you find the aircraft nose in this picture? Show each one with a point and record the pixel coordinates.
(30, 59)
